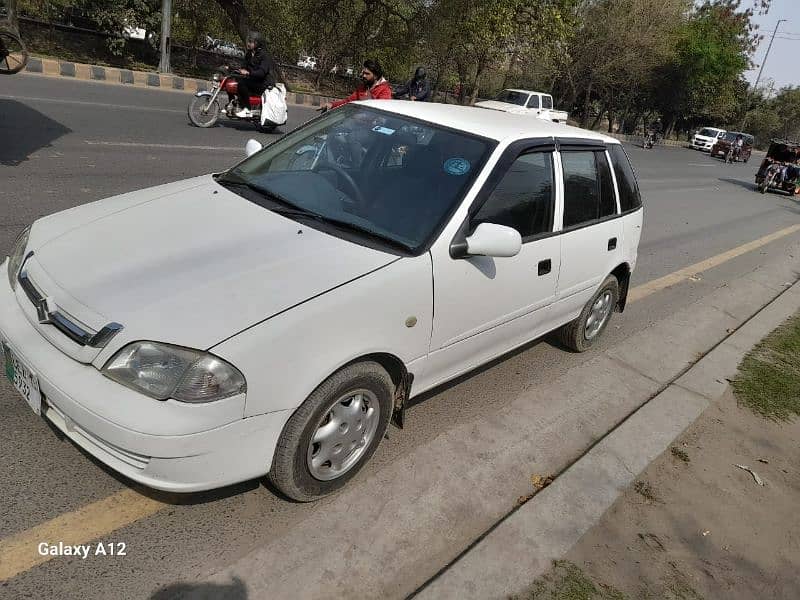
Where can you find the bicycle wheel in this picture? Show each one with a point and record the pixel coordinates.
(13, 53)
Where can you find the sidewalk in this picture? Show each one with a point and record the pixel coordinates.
(523, 547)
(67, 71)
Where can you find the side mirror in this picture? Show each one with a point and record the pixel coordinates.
(251, 147)
(489, 239)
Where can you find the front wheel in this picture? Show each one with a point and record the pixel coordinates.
(333, 433)
(203, 112)
(13, 53)
(583, 332)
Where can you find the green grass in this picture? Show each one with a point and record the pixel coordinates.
(768, 382)
(566, 581)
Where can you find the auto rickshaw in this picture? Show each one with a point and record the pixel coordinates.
(780, 170)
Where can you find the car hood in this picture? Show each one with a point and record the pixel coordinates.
(191, 266)
(503, 106)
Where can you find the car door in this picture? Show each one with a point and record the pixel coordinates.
(591, 232)
(485, 306)
(533, 105)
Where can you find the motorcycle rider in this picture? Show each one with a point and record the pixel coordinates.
(373, 87)
(259, 71)
(419, 88)
(738, 144)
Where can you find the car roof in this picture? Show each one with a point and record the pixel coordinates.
(524, 91)
(492, 124)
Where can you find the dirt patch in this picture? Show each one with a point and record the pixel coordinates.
(713, 532)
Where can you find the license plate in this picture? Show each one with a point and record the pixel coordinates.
(23, 379)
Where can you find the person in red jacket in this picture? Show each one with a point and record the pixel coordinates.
(373, 86)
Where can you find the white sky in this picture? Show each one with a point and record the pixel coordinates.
(782, 65)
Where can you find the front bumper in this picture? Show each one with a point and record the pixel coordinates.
(184, 456)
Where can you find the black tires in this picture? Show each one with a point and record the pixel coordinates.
(583, 332)
(202, 112)
(334, 432)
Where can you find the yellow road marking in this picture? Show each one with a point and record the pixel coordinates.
(656, 285)
(19, 552)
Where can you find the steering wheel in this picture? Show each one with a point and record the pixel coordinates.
(345, 175)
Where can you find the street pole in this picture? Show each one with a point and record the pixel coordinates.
(166, 24)
(764, 62)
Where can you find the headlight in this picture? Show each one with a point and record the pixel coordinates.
(215, 77)
(164, 371)
(16, 256)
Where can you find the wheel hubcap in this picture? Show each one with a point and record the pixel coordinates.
(601, 309)
(343, 434)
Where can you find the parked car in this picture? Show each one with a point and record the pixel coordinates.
(307, 62)
(723, 144)
(705, 138)
(273, 318)
(525, 102)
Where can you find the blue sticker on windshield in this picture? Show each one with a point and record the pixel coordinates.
(456, 166)
(383, 130)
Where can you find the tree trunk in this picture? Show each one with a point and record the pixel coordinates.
(238, 15)
(598, 118)
(11, 9)
(586, 103)
(610, 120)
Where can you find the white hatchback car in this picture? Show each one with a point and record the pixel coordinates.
(273, 318)
(705, 138)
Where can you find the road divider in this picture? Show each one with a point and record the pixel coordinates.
(19, 552)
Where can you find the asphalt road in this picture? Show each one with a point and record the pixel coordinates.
(64, 143)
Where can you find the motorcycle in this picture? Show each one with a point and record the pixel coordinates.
(770, 178)
(732, 155)
(650, 140)
(205, 107)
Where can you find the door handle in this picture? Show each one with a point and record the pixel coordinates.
(545, 266)
(612, 244)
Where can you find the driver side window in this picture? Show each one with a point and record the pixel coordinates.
(533, 102)
(523, 199)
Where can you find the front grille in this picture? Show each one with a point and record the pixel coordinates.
(61, 321)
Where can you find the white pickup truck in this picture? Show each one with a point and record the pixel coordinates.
(525, 102)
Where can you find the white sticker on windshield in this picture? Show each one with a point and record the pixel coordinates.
(383, 130)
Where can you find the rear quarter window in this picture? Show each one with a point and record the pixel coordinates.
(629, 196)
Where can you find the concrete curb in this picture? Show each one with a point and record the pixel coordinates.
(523, 546)
(141, 79)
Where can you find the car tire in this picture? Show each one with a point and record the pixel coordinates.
(581, 334)
(295, 471)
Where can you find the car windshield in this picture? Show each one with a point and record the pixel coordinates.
(709, 132)
(368, 175)
(512, 97)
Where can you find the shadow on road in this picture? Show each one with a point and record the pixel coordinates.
(748, 185)
(25, 130)
(202, 591)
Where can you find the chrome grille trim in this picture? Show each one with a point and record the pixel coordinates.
(60, 321)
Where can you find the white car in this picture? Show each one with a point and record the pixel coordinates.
(525, 102)
(706, 138)
(307, 62)
(273, 318)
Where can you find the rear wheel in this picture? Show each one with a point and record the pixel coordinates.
(333, 433)
(203, 112)
(583, 332)
(13, 53)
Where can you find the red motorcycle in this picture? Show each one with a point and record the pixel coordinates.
(206, 107)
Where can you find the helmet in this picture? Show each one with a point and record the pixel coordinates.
(421, 73)
(256, 38)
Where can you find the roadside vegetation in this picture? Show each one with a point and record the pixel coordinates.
(613, 64)
(768, 382)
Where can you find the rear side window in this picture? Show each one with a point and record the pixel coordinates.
(588, 188)
(523, 199)
(547, 102)
(629, 197)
